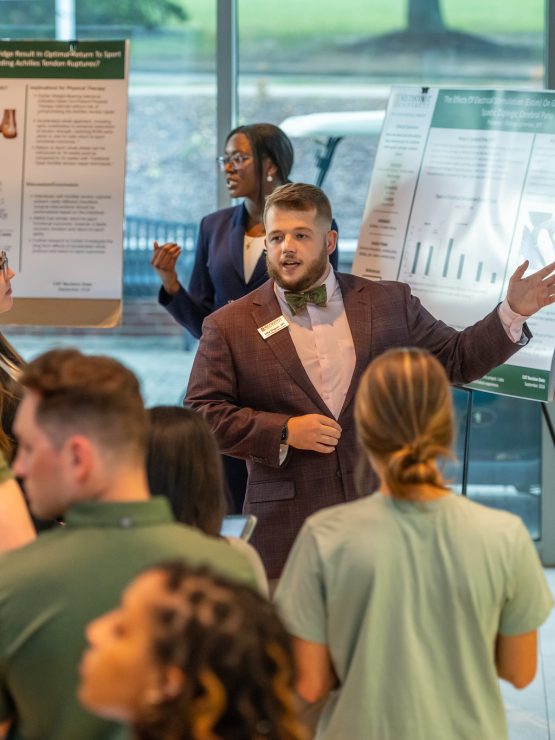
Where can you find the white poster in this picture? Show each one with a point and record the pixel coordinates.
(463, 192)
(62, 168)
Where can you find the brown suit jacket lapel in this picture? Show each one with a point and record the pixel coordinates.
(358, 307)
(265, 309)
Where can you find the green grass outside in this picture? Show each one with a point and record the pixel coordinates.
(290, 23)
(330, 18)
(172, 48)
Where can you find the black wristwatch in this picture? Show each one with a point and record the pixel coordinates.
(284, 435)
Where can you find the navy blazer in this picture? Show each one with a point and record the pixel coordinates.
(218, 275)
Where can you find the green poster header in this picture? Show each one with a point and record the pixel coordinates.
(495, 110)
(511, 380)
(91, 60)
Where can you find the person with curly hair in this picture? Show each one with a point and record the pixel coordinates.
(82, 433)
(188, 655)
(407, 605)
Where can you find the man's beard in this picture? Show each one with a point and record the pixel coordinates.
(315, 271)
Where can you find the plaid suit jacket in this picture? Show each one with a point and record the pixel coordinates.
(246, 388)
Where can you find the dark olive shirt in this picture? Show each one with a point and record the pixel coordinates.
(52, 588)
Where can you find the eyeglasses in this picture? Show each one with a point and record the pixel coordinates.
(4, 264)
(237, 160)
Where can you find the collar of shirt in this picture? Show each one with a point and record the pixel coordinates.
(119, 514)
(332, 291)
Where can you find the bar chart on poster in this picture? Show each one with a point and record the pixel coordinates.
(462, 192)
(448, 265)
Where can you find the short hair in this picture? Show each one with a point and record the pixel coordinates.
(267, 141)
(184, 465)
(221, 634)
(404, 418)
(86, 394)
(299, 196)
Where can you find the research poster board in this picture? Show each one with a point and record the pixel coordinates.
(63, 131)
(462, 192)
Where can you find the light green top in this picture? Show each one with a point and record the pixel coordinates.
(52, 588)
(409, 598)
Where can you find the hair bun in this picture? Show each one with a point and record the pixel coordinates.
(414, 463)
(404, 418)
(418, 451)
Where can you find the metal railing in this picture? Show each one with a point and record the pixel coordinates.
(139, 279)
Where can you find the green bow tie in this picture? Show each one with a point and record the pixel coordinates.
(297, 301)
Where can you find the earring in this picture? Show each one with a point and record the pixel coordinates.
(269, 178)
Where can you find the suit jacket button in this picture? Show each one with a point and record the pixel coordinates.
(338, 473)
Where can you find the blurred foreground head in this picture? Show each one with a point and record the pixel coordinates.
(188, 654)
(81, 422)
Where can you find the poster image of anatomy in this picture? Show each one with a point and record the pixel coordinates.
(462, 192)
(63, 129)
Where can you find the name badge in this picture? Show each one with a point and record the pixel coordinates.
(273, 327)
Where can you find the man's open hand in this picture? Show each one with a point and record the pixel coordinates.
(526, 295)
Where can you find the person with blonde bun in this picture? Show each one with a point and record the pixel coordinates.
(407, 605)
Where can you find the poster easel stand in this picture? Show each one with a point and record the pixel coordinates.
(466, 448)
(548, 422)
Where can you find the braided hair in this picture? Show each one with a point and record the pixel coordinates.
(236, 657)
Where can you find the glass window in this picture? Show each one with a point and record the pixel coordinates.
(337, 58)
(343, 57)
(171, 174)
(504, 458)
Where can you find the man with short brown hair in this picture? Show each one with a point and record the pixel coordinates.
(81, 428)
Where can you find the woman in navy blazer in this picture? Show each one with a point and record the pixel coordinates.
(258, 158)
(229, 256)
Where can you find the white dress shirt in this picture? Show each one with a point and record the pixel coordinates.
(324, 343)
(512, 322)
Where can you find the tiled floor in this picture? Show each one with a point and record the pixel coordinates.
(163, 368)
